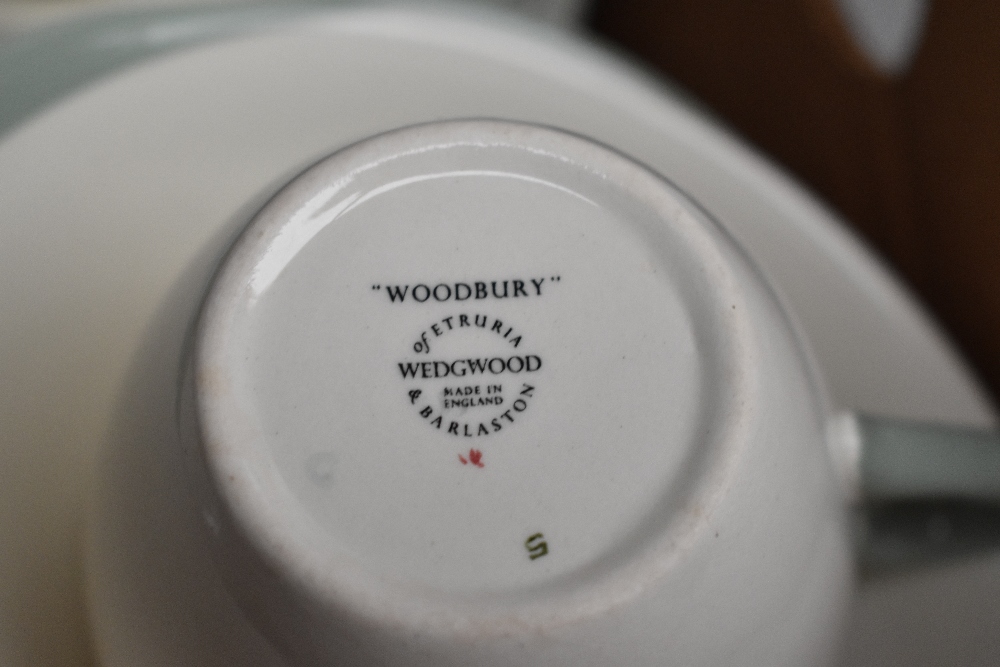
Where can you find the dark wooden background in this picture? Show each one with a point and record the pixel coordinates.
(912, 161)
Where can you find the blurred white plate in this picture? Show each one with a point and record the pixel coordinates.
(116, 200)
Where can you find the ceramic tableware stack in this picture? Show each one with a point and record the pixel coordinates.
(422, 336)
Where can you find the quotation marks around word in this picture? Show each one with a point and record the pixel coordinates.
(475, 458)
(536, 546)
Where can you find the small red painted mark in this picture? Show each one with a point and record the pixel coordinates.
(475, 458)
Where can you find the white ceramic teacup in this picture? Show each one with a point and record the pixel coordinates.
(489, 393)
(631, 509)
(621, 455)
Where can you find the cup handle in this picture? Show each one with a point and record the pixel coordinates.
(925, 492)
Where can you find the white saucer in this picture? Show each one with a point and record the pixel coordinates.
(118, 199)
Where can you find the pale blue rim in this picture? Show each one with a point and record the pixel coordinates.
(41, 67)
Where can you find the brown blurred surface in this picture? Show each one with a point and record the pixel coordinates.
(913, 162)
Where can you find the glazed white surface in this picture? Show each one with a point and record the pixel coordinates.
(312, 352)
(670, 443)
(119, 199)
